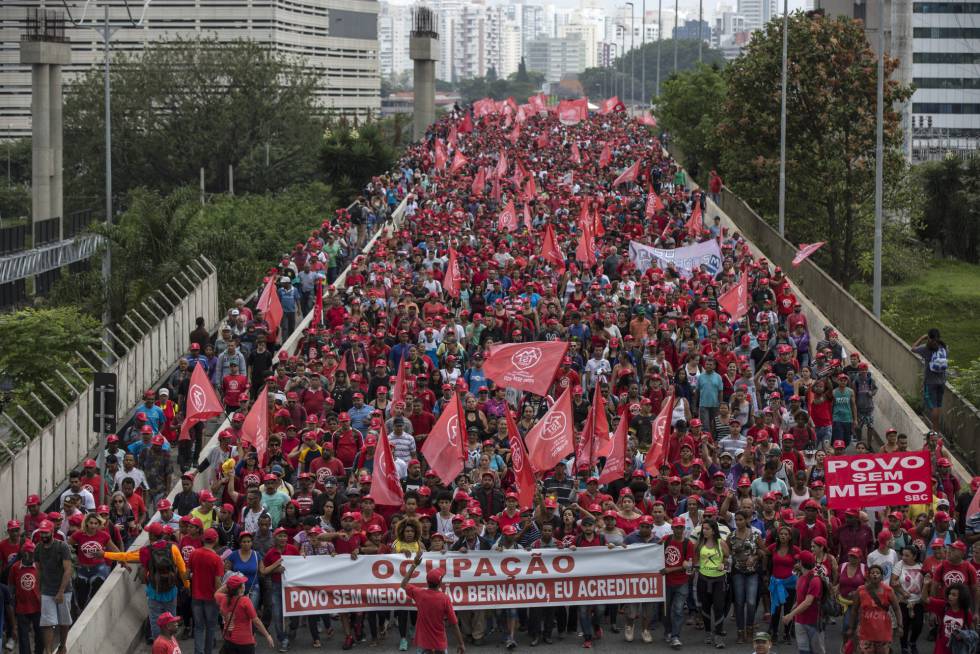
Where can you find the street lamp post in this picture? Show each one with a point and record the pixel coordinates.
(660, 29)
(700, 22)
(643, 53)
(632, 52)
(879, 162)
(673, 36)
(622, 58)
(782, 126)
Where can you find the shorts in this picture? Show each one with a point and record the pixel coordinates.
(866, 419)
(874, 647)
(54, 614)
(932, 395)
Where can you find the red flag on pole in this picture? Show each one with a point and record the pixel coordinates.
(523, 475)
(616, 459)
(576, 155)
(694, 224)
(466, 125)
(440, 155)
(605, 156)
(255, 429)
(585, 250)
(453, 137)
(542, 141)
(202, 402)
(514, 134)
(450, 282)
(553, 438)
(458, 162)
(507, 221)
(654, 204)
(525, 366)
(805, 251)
(601, 443)
(398, 392)
(550, 251)
(628, 175)
(598, 229)
(445, 446)
(530, 189)
(501, 170)
(318, 303)
(270, 305)
(527, 216)
(495, 191)
(386, 490)
(657, 453)
(735, 301)
(479, 182)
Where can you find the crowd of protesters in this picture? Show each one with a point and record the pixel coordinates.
(738, 506)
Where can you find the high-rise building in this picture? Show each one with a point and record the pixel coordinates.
(555, 58)
(394, 26)
(338, 40)
(692, 29)
(758, 12)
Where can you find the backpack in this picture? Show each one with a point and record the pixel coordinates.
(829, 605)
(161, 572)
(938, 362)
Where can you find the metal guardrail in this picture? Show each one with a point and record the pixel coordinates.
(48, 257)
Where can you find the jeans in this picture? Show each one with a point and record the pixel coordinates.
(157, 607)
(707, 415)
(275, 606)
(28, 623)
(676, 598)
(89, 579)
(585, 621)
(745, 589)
(205, 625)
(809, 639)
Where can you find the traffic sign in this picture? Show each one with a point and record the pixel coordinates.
(104, 403)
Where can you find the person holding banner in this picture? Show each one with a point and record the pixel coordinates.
(434, 609)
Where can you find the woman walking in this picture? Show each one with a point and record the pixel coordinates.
(238, 614)
(711, 556)
(748, 554)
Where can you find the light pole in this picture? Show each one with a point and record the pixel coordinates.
(632, 52)
(673, 36)
(782, 126)
(643, 53)
(622, 57)
(700, 22)
(879, 161)
(660, 29)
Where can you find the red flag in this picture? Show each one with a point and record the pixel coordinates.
(735, 301)
(514, 134)
(519, 174)
(507, 221)
(553, 438)
(576, 154)
(601, 443)
(530, 189)
(440, 154)
(398, 392)
(501, 170)
(550, 251)
(616, 459)
(605, 156)
(386, 490)
(445, 446)
(805, 251)
(525, 366)
(202, 402)
(458, 162)
(610, 105)
(585, 250)
(527, 216)
(318, 304)
(255, 429)
(466, 125)
(654, 204)
(584, 215)
(542, 141)
(270, 305)
(646, 119)
(974, 507)
(628, 175)
(695, 224)
(495, 190)
(523, 475)
(657, 453)
(479, 182)
(598, 229)
(450, 282)
(452, 138)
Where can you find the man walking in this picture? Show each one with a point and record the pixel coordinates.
(54, 564)
(434, 608)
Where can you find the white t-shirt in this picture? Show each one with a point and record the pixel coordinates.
(886, 561)
(910, 578)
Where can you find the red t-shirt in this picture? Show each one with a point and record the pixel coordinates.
(90, 549)
(240, 631)
(946, 573)
(809, 584)
(503, 519)
(434, 609)
(165, 645)
(205, 565)
(782, 564)
(274, 554)
(675, 553)
(187, 546)
(27, 589)
(8, 552)
(346, 543)
(876, 623)
(231, 389)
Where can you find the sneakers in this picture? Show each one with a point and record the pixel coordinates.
(675, 643)
(284, 646)
(511, 644)
(719, 642)
(587, 644)
(646, 636)
(628, 633)
(403, 645)
(348, 642)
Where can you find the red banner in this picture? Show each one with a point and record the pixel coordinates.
(806, 249)
(861, 480)
(525, 366)
(255, 429)
(523, 475)
(735, 301)
(445, 446)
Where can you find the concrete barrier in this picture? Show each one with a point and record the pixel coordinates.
(113, 619)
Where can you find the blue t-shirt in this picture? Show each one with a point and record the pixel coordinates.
(249, 569)
(710, 387)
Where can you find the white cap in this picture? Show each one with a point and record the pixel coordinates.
(285, 280)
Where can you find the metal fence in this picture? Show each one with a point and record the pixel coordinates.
(146, 343)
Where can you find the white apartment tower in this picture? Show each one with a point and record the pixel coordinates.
(757, 12)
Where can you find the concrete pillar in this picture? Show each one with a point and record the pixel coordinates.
(57, 205)
(425, 96)
(40, 142)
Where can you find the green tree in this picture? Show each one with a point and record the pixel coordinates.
(830, 161)
(601, 82)
(350, 157)
(689, 110)
(182, 105)
(950, 216)
(15, 200)
(46, 343)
